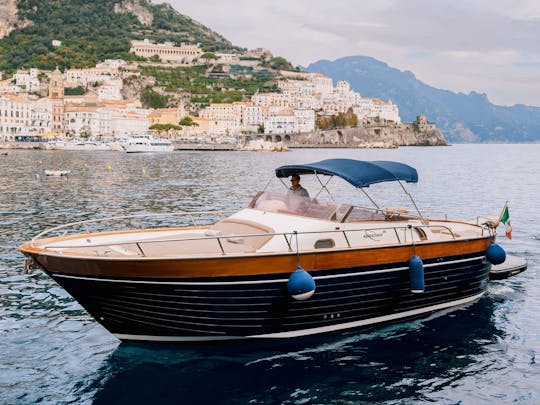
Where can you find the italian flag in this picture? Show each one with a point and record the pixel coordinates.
(505, 219)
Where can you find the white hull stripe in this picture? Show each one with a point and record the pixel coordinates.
(306, 332)
(112, 280)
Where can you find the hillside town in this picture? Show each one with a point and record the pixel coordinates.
(35, 103)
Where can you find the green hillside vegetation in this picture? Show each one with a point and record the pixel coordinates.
(152, 99)
(204, 90)
(91, 32)
(169, 25)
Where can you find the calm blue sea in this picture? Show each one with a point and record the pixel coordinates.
(51, 351)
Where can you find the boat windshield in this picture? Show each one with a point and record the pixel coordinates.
(300, 206)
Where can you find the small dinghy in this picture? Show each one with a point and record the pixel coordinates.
(512, 266)
(57, 173)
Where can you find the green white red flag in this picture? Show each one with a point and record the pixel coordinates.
(505, 219)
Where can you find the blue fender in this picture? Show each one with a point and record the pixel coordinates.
(416, 273)
(301, 285)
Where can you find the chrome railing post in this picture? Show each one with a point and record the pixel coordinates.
(288, 243)
(140, 249)
(220, 245)
(346, 239)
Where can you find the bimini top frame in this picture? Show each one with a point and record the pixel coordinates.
(359, 173)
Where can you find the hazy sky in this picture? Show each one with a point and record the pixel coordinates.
(489, 46)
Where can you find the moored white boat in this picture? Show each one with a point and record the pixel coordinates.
(82, 145)
(147, 143)
(283, 267)
(57, 173)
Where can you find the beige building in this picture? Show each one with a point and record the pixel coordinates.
(167, 52)
(233, 118)
(199, 131)
(56, 94)
(166, 116)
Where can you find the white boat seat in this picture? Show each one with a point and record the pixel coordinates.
(237, 227)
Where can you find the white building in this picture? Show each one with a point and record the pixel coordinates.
(272, 99)
(15, 116)
(227, 58)
(82, 118)
(7, 88)
(344, 93)
(262, 99)
(322, 84)
(41, 116)
(27, 79)
(124, 123)
(373, 107)
(105, 122)
(386, 110)
(111, 90)
(282, 123)
(304, 120)
(112, 65)
(252, 116)
(167, 52)
(84, 77)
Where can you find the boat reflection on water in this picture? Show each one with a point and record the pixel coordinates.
(433, 353)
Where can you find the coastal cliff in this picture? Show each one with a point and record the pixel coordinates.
(372, 134)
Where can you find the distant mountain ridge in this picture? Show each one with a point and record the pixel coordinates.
(461, 117)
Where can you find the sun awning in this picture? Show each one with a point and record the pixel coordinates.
(357, 172)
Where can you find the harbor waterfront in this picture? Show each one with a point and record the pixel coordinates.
(53, 351)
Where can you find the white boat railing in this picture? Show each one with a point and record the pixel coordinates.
(191, 215)
(401, 233)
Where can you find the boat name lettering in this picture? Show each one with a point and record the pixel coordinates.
(374, 235)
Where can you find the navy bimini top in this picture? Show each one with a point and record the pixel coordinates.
(357, 172)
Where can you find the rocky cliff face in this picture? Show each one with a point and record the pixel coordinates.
(133, 86)
(135, 7)
(373, 136)
(9, 19)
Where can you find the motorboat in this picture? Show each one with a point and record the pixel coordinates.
(147, 143)
(283, 267)
(57, 173)
(79, 145)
